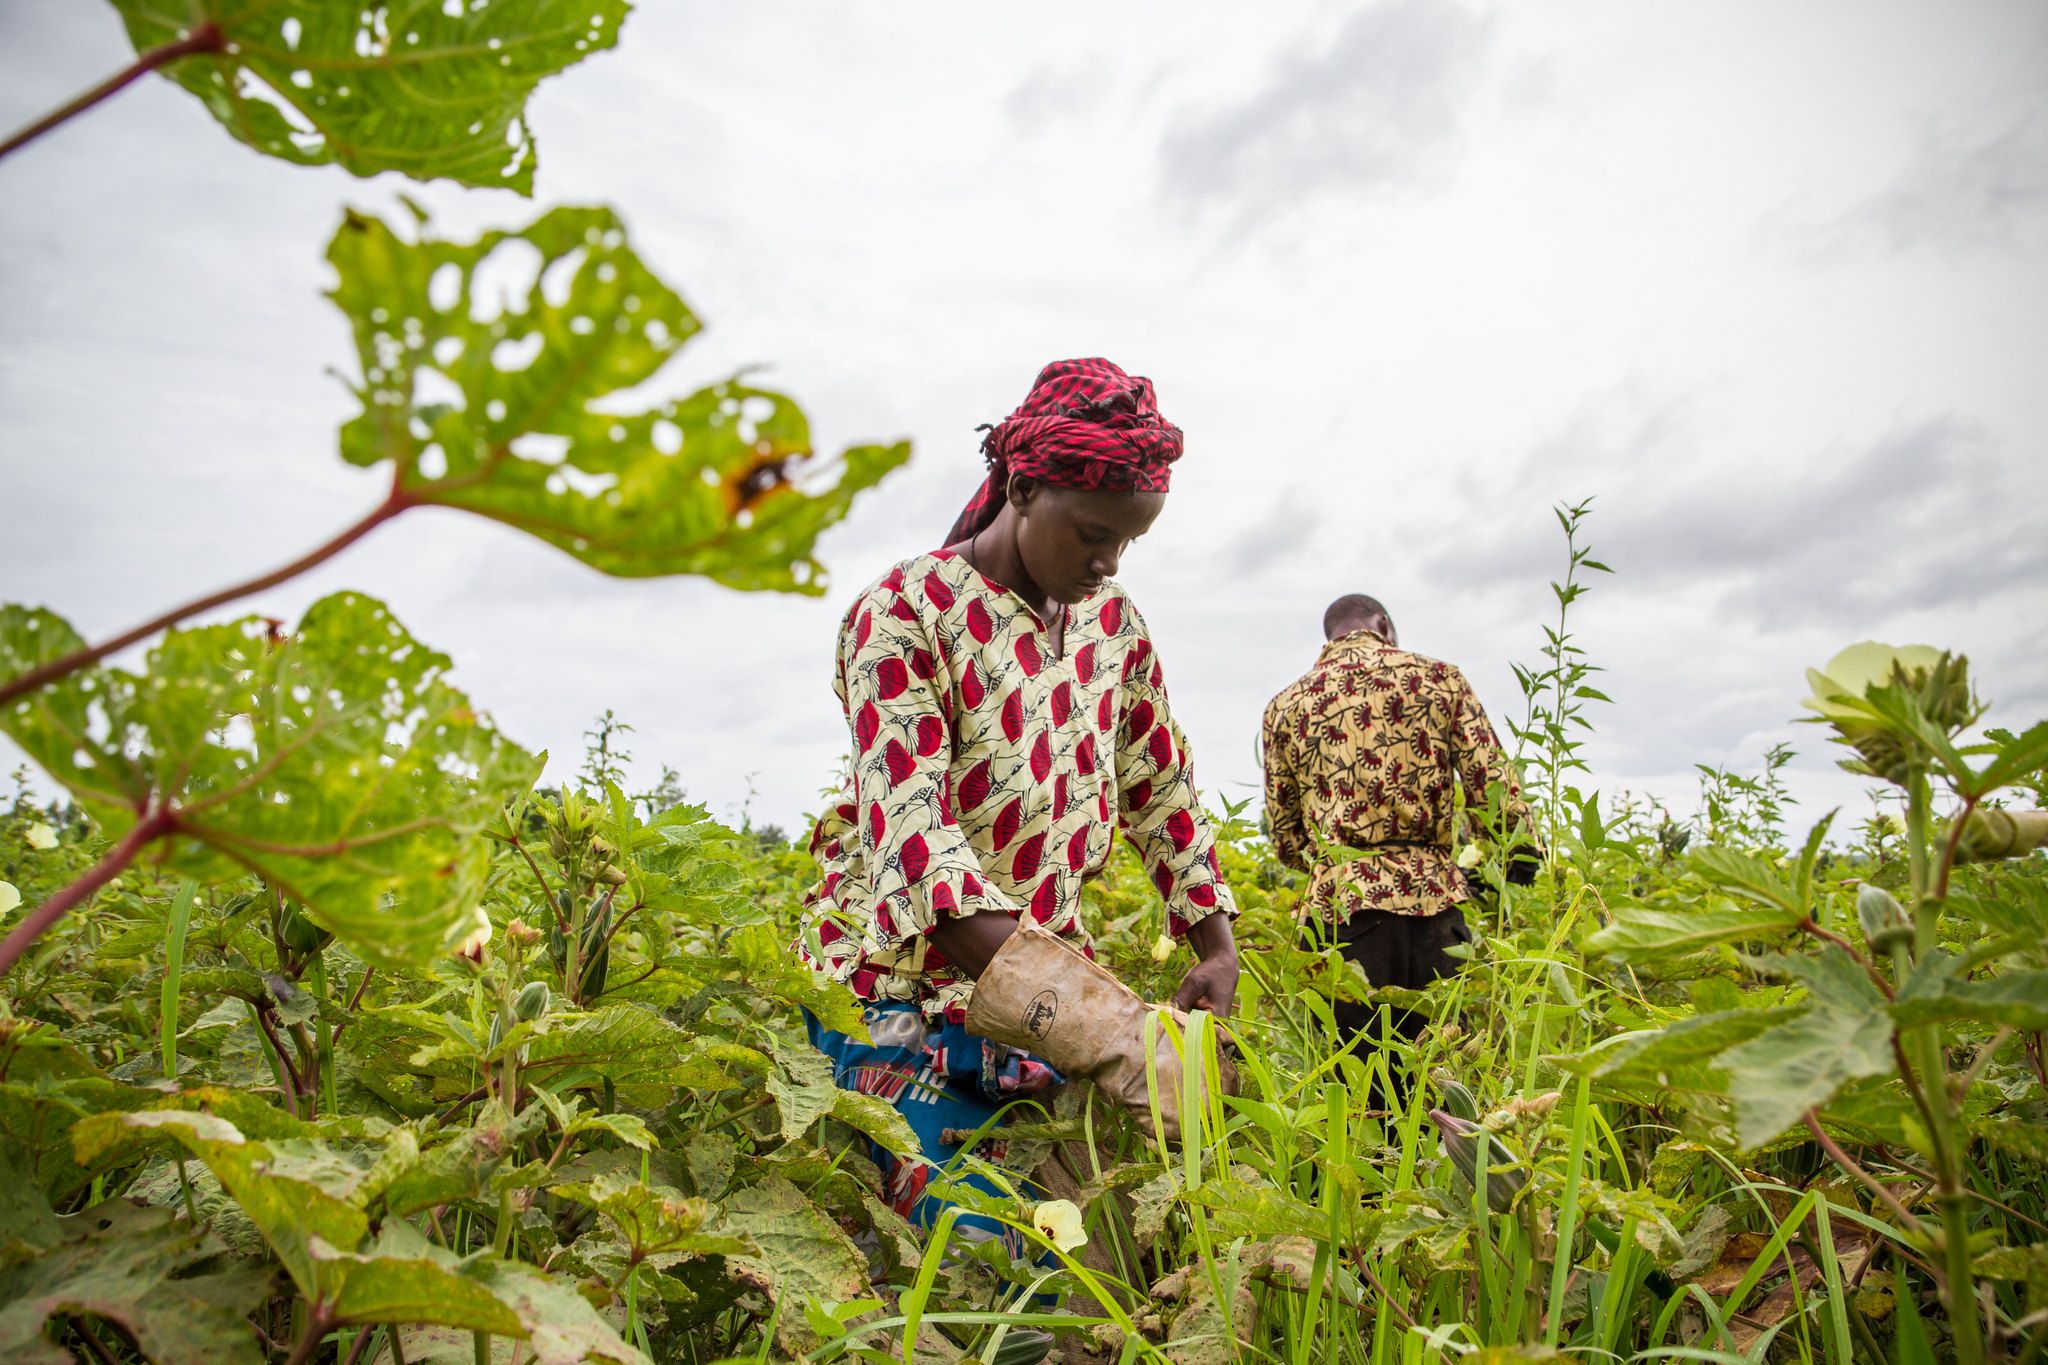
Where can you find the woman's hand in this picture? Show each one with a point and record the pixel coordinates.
(1210, 984)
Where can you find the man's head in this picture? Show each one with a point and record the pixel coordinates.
(1354, 611)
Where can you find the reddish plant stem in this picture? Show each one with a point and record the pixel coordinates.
(145, 831)
(1848, 1164)
(79, 658)
(1829, 936)
(292, 1086)
(362, 1343)
(353, 1001)
(317, 1328)
(206, 37)
(93, 1345)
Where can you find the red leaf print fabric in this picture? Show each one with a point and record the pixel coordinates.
(1007, 823)
(899, 765)
(991, 776)
(1370, 747)
(915, 858)
(975, 787)
(1025, 865)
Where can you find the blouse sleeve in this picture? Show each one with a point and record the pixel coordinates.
(1162, 813)
(920, 866)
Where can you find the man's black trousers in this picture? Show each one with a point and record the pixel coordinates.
(1395, 950)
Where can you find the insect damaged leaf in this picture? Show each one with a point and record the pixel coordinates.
(433, 91)
(137, 1268)
(483, 369)
(335, 762)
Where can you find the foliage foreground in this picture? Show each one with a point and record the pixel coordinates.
(326, 1036)
(528, 1077)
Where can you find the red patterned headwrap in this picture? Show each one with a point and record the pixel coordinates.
(1085, 424)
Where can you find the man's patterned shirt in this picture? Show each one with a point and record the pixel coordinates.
(990, 775)
(1364, 750)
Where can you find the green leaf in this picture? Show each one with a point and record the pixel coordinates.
(2019, 910)
(25, 1215)
(659, 1223)
(49, 1086)
(336, 763)
(1846, 1034)
(432, 91)
(878, 1119)
(2021, 757)
(802, 1085)
(1747, 875)
(462, 1168)
(489, 403)
(639, 1051)
(2010, 1134)
(1655, 1056)
(803, 1254)
(291, 1214)
(1937, 993)
(140, 1270)
(1638, 934)
(766, 964)
(403, 1278)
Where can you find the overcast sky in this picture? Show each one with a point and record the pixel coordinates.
(1767, 281)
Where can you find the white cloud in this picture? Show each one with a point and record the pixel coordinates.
(1376, 105)
(909, 209)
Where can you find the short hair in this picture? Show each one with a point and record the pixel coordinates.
(1354, 609)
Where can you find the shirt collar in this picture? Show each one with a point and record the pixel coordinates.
(1357, 647)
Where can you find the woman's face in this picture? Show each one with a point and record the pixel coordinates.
(1071, 539)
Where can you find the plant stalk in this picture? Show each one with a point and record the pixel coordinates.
(144, 832)
(205, 37)
(37, 677)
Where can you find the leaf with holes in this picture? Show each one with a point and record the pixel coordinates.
(804, 1255)
(482, 371)
(137, 1268)
(435, 89)
(335, 762)
(660, 1224)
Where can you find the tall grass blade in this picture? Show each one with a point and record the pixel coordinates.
(174, 968)
(1568, 1214)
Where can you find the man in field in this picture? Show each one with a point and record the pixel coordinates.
(1363, 755)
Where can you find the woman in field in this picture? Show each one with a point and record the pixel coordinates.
(1008, 719)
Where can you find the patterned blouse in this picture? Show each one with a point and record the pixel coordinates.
(1364, 751)
(989, 774)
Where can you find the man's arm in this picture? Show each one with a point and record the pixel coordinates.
(1481, 762)
(1286, 826)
